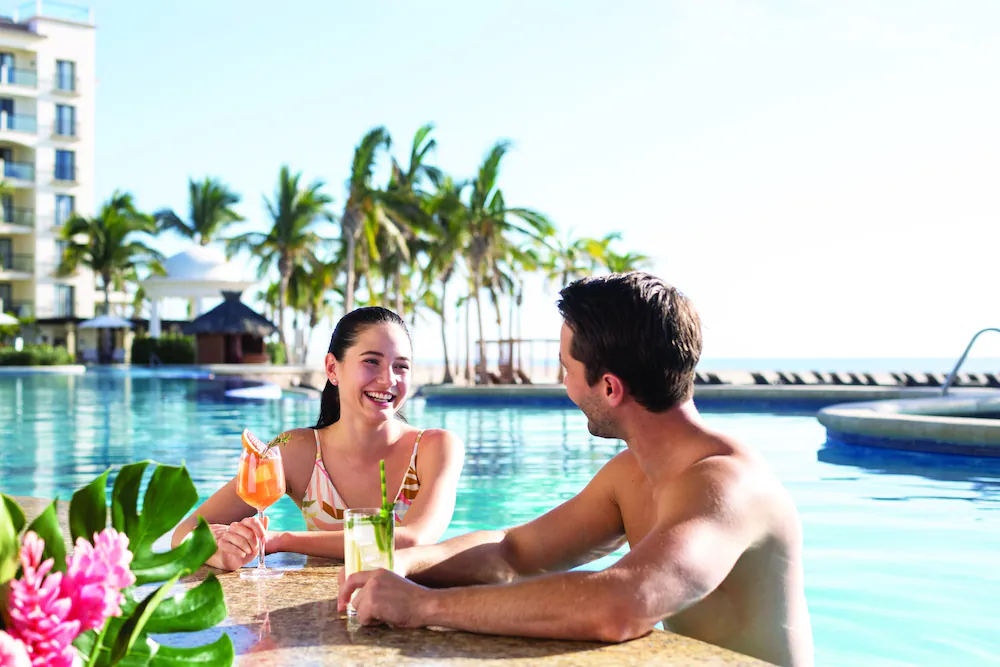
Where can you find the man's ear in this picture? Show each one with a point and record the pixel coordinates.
(614, 389)
(330, 364)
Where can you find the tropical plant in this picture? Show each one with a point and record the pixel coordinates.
(364, 204)
(625, 262)
(210, 210)
(294, 212)
(107, 244)
(492, 225)
(116, 561)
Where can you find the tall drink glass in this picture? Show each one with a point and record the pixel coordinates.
(369, 542)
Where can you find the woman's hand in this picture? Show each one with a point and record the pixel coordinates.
(237, 543)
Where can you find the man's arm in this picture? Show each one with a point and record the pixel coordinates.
(584, 527)
(699, 537)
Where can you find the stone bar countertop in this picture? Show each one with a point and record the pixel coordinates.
(293, 620)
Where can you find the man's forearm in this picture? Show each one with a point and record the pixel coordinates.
(572, 605)
(476, 558)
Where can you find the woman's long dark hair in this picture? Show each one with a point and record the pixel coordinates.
(344, 336)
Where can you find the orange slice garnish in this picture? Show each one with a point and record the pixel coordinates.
(253, 444)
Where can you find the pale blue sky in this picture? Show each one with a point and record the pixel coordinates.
(821, 178)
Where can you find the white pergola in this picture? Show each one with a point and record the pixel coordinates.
(194, 274)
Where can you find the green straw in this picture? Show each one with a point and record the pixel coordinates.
(386, 507)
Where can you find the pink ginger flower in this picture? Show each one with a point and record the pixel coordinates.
(95, 576)
(12, 652)
(39, 612)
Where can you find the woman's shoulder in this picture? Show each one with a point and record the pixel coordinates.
(299, 439)
(440, 440)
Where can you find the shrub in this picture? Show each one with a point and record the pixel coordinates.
(35, 355)
(276, 352)
(168, 349)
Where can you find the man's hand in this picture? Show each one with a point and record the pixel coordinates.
(383, 597)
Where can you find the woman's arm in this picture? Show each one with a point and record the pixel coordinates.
(439, 465)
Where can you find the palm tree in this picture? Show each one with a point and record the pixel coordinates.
(210, 210)
(107, 245)
(489, 221)
(310, 289)
(291, 241)
(574, 258)
(449, 238)
(629, 261)
(364, 202)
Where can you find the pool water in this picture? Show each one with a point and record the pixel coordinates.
(902, 552)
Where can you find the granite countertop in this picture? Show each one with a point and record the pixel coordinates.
(294, 621)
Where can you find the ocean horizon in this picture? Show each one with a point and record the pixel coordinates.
(823, 364)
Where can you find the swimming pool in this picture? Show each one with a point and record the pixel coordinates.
(902, 551)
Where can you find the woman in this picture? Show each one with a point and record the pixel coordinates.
(335, 465)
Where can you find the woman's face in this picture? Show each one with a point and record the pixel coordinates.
(374, 375)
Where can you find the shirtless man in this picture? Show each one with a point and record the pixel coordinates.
(715, 540)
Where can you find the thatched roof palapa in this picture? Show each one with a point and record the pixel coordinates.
(232, 316)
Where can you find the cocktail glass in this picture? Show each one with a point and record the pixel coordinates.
(261, 483)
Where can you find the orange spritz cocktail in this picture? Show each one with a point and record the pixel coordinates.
(260, 482)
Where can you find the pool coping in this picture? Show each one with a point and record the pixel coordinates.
(919, 424)
(65, 369)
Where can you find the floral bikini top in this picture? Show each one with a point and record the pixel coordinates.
(323, 507)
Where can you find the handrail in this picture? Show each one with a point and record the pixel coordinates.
(954, 371)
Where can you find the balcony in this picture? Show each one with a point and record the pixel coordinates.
(14, 263)
(20, 309)
(66, 85)
(54, 10)
(64, 130)
(16, 215)
(65, 175)
(18, 122)
(18, 76)
(18, 171)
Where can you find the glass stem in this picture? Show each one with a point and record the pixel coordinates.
(263, 543)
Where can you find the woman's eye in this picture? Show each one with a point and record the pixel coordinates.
(402, 368)
(371, 361)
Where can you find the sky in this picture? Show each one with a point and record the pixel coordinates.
(820, 178)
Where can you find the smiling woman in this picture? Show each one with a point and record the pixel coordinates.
(335, 465)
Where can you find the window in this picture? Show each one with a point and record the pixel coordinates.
(65, 206)
(64, 301)
(7, 67)
(7, 203)
(65, 165)
(66, 75)
(6, 300)
(65, 120)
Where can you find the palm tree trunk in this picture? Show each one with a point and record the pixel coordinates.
(477, 282)
(105, 352)
(349, 288)
(386, 288)
(285, 273)
(400, 303)
(468, 339)
(510, 328)
(448, 378)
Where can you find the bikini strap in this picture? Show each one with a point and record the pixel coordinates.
(319, 452)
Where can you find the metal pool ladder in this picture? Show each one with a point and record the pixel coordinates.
(961, 360)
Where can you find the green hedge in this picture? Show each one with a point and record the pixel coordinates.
(277, 353)
(168, 349)
(35, 355)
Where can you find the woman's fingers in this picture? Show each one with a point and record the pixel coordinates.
(242, 537)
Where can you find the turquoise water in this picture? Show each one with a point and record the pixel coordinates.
(902, 553)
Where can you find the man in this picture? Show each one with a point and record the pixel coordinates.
(715, 541)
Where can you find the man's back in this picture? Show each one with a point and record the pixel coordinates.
(759, 608)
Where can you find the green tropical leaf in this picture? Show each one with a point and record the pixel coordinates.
(198, 608)
(16, 514)
(219, 652)
(88, 510)
(8, 545)
(124, 497)
(46, 526)
(169, 496)
(133, 627)
(197, 547)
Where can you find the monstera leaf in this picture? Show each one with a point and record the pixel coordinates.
(148, 607)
